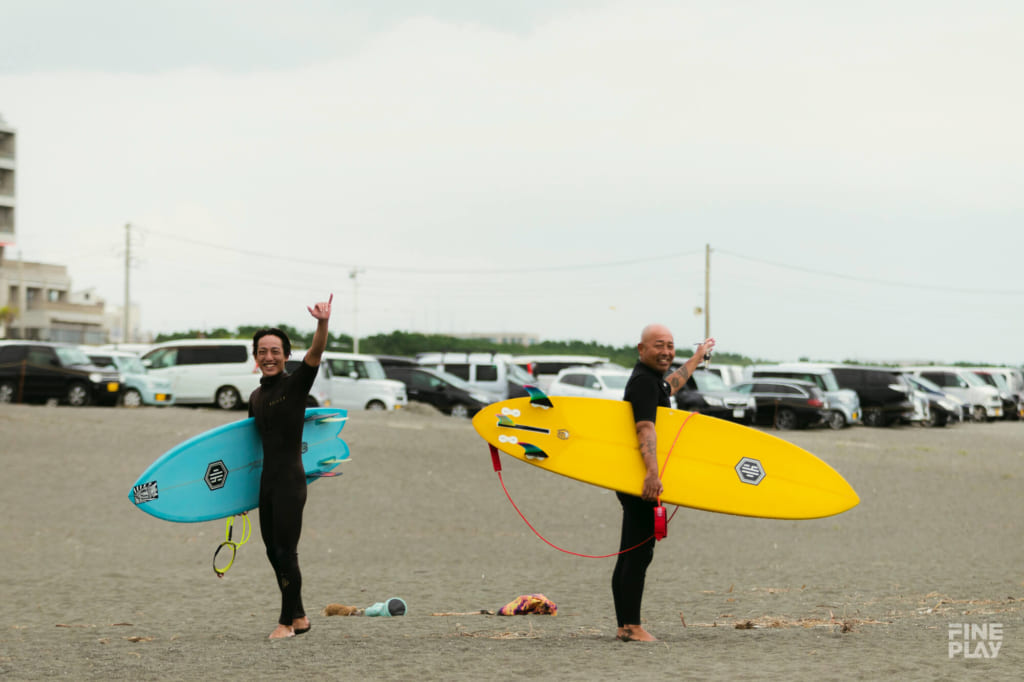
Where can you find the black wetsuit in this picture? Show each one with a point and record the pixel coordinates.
(646, 390)
(279, 408)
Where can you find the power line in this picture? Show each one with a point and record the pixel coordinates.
(423, 271)
(872, 280)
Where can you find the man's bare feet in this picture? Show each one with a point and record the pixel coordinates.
(282, 632)
(301, 625)
(634, 633)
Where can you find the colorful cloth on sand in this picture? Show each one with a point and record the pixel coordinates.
(529, 603)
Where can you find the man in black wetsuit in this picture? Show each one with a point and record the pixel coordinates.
(279, 409)
(647, 389)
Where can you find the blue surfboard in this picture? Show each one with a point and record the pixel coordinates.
(217, 473)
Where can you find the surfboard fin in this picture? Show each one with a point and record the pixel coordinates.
(531, 451)
(537, 397)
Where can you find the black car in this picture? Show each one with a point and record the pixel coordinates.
(884, 393)
(446, 392)
(786, 403)
(36, 372)
(706, 393)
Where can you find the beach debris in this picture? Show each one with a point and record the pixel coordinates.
(529, 604)
(137, 638)
(481, 612)
(341, 610)
(390, 607)
(681, 618)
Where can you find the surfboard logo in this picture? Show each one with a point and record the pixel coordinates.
(216, 475)
(145, 492)
(750, 471)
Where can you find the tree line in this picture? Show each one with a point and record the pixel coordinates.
(410, 343)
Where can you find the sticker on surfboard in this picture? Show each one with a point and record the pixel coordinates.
(750, 471)
(146, 492)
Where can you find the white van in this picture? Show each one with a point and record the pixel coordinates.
(967, 386)
(493, 373)
(358, 382)
(222, 372)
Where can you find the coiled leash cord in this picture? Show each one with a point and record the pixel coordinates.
(496, 461)
(229, 542)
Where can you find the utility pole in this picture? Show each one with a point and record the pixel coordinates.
(707, 291)
(126, 313)
(354, 276)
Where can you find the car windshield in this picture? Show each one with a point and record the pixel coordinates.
(374, 370)
(926, 384)
(129, 364)
(454, 380)
(72, 356)
(520, 375)
(706, 381)
(615, 381)
(973, 379)
(1000, 382)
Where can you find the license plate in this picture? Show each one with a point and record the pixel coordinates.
(738, 412)
(113, 387)
(161, 397)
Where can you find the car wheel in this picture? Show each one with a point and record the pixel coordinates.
(935, 419)
(131, 398)
(836, 420)
(78, 395)
(228, 398)
(459, 410)
(785, 419)
(7, 392)
(978, 414)
(376, 406)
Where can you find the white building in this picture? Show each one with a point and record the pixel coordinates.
(36, 300)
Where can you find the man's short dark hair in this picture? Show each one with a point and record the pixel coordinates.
(286, 345)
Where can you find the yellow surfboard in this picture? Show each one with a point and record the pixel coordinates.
(713, 465)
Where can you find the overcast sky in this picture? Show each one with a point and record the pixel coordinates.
(554, 167)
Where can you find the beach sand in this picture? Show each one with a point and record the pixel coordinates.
(94, 589)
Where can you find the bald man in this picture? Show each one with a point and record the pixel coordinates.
(647, 390)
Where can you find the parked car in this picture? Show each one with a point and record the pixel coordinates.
(544, 368)
(358, 382)
(786, 403)
(589, 382)
(221, 372)
(446, 392)
(844, 403)
(139, 387)
(730, 374)
(937, 408)
(1013, 400)
(37, 372)
(706, 393)
(396, 360)
(884, 393)
(966, 385)
(320, 391)
(492, 373)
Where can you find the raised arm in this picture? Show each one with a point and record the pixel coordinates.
(322, 313)
(677, 379)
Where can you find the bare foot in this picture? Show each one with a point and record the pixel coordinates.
(282, 632)
(635, 633)
(301, 625)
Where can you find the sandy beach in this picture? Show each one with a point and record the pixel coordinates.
(94, 589)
